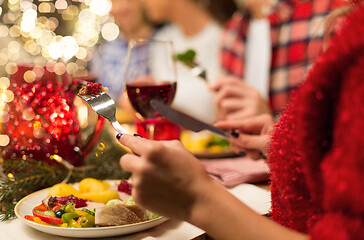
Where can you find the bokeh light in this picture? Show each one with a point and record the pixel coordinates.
(28, 114)
(9, 96)
(4, 83)
(14, 31)
(36, 29)
(4, 140)
(29, 76)
(11, 68)
(29, 20)
(4, 117)
(100, 7)
(38, 132)
(61, 4)
(59, 68)
(4, 31)
(38, 70)
(110, 31)
(69, 47)
(55, 50)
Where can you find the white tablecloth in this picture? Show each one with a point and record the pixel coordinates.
(257, 198)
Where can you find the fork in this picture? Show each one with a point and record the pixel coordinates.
(198, 71)
(104, 106)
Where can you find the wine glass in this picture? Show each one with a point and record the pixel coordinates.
(151, 74)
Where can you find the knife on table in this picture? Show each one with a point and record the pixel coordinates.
(185, 120)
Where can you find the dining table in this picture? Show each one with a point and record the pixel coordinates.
(256, 196)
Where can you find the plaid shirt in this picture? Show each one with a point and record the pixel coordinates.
(297, 31)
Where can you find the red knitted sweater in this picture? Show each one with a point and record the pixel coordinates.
(317, 151)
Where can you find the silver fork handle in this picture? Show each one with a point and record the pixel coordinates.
(198, 71)
(119, 128)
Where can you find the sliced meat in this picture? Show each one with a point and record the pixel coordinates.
(139, 211)
(115, 215)
(49, 202)
(45, 201)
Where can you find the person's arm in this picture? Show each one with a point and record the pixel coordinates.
(170, 181)
(223, 216)
(342, 165)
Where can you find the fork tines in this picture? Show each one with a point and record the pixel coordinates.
(88, 96)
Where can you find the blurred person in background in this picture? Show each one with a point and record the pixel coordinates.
(108, 61)
(196, 25)
(267, 49)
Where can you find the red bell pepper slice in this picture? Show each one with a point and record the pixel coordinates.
(55, 208)
(29, 217)
(47, 219)
(41, 207)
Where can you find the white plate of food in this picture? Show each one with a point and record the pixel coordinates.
(25, 206)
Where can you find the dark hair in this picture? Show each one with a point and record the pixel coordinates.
(221, 10)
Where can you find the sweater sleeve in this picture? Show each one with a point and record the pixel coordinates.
(343, 166)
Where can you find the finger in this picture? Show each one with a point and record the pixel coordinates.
(227, 92)
(239, 84)
(239, 115)
(216, 86)
(248, 125)
(221, 80)
(252, 142)
(237, 149)
(135, 144)
(237, 89)
(232, 80)
(130, 162)
(255, 155)
(241, 125)
(232, 104)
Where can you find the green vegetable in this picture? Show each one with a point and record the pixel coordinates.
(69, 216)
(86, 221)
(187, 57)
(70, 207)
(217, 141)
(48, 213)
(129, 201)
(73, 224)
(113, 202)
(152, 215)
(89, 211)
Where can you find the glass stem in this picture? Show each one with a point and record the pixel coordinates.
(150, 130)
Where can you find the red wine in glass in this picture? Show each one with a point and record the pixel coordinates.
(141, 94)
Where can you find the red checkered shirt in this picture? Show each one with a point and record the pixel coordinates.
(297, 30)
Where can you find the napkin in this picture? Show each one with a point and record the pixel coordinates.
(233, 171)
